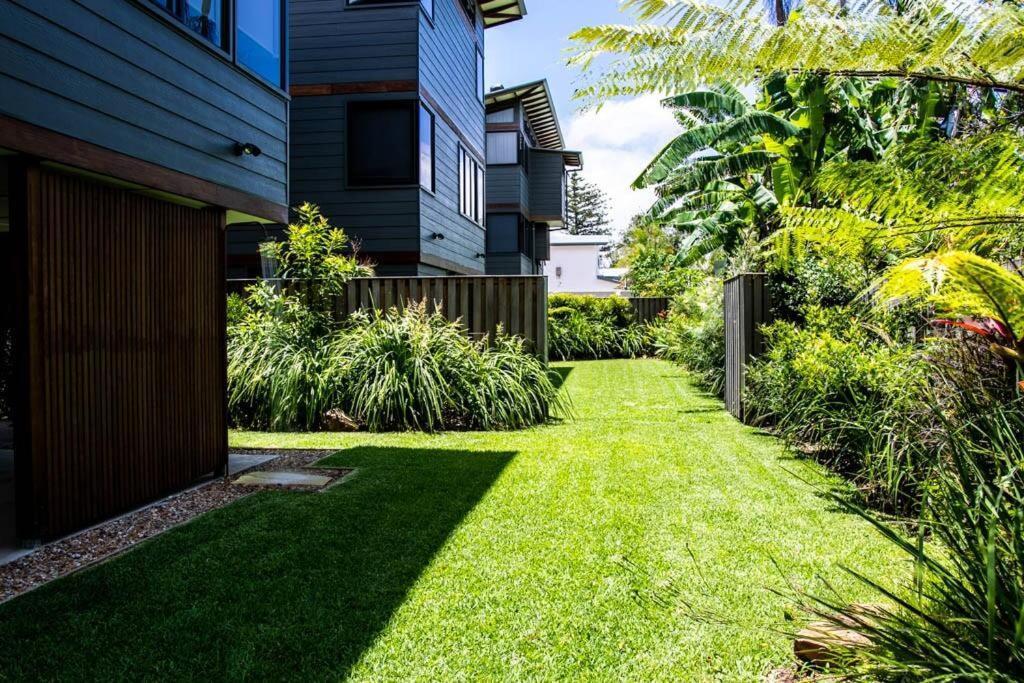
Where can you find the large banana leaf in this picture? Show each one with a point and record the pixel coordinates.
(710, 103)
(696, 174)
(740, 130)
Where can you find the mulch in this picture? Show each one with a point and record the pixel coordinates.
(111, 538)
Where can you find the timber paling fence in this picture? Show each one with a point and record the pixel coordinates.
(649, 308)
(515, 304)
(746, 306)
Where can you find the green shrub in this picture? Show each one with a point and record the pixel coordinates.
(693, 335)
(290, 363)
(856, 399)
(590, 327)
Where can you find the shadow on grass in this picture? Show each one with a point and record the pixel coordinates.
(559, 376)
(280, 585)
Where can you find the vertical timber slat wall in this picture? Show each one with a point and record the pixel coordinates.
(125, 351)
(516, 304)
(746, 309)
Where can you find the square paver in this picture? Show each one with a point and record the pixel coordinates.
(284, 478)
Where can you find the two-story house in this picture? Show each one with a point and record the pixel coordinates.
(388, 127)
(527, 165)
(132, 133)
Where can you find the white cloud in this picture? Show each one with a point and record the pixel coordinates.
(617, 142)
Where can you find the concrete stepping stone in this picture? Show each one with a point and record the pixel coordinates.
(284, 478)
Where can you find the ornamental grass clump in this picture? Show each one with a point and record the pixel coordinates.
(960, 617)
(414, 370)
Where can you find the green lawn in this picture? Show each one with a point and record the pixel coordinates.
(577, 550)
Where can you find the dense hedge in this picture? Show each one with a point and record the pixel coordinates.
(590, 327)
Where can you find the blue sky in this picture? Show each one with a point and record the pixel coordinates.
(535, 47)
(618, 140)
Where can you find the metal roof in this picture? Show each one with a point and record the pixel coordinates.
(539, 108)
(498, 12)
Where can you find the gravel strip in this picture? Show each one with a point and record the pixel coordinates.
(101, 542)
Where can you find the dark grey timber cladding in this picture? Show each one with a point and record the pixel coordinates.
(115, 74)
(518, 305)
(547, 180)
(508, 186)
(334, 43)
(448, 58)
(378, 220)
(746, 308)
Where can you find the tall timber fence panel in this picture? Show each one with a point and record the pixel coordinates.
(516, 305)
(746, 308)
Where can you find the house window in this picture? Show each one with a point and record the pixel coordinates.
(259, 38)
(426, 142)
(205, 17)
(472, 200)
(469, 7)
(503, 148)
(427, 5)
(502, 233)
(481, 88)
(502, 116)
(382, 143)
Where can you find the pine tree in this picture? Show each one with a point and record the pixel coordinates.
(588, 208)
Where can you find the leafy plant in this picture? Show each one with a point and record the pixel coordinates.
(693, 335)
(413, 370)
(589, 327)
(850, 395)
(961, 617)
(681, 44)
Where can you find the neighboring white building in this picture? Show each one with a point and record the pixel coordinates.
(579, 264)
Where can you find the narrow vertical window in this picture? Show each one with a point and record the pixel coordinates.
(259, 36)
(481, 87)
(426, 135)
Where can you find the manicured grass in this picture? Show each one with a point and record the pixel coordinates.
(576, 550)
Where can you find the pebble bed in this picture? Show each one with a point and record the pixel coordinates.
(86, 548)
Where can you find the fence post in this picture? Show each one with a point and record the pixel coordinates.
(746, 309)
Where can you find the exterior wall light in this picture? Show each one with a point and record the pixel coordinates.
(437, 237)
(247, 149)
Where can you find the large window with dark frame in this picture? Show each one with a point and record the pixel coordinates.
(205, 17)
(472, 197)
(390, 143)
(258, 24)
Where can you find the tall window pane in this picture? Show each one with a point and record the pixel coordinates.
(481, 87)
(426, 149)
(258, 31)
(382, 148)
(205, 17)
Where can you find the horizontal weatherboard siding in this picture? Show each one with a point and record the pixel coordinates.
(334, 43)
(115, 75)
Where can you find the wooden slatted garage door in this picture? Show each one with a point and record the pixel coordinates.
(124, 350)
